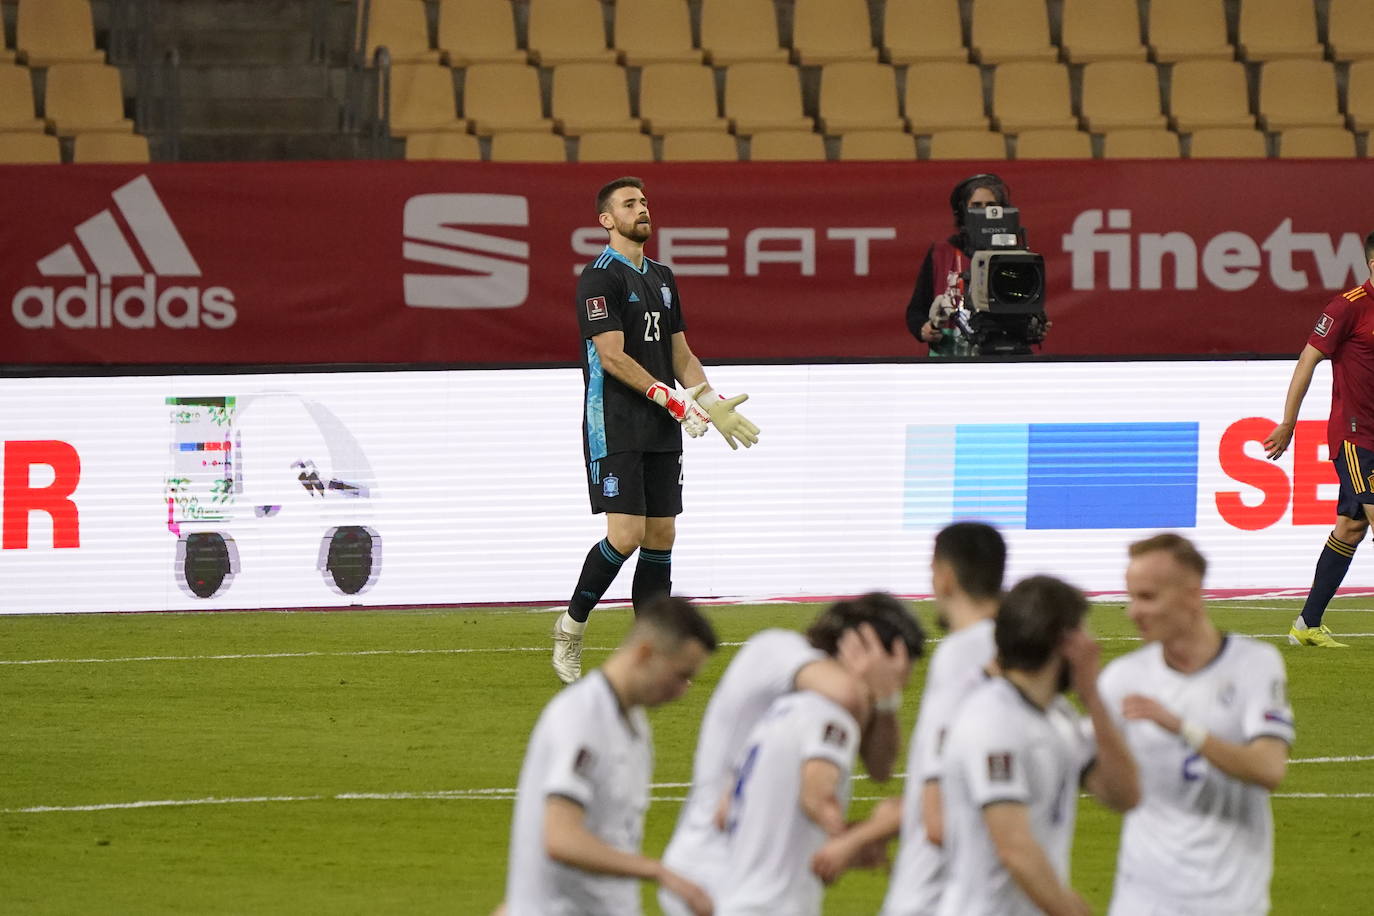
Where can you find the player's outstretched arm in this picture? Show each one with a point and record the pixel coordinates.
(853, 847)
(1008, 825)
(1262, 761)
(1277, 441)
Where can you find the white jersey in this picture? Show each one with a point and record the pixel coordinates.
(771, 840)
(764, 669)
(956, 669)
(1004, 748)
(584, 749)
(1199, 841)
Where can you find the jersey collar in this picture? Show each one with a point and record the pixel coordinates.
(626, 261)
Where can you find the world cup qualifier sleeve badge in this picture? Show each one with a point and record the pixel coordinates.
(610, 486)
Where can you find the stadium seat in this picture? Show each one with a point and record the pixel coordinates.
(443, 145)
(944, 96)
(874, 145)
(679, 97)
(1227, 143)
(700, 146)
(422, 99)
(1011, 30)
(1279, 30)
(831, 31)
(786, 145)
(740, 31)
(16, 101)
(1209, 93)
(615, 146)
(48, 32)
(967, 144)
(1119, 94)
(567, 31)
(1359, 97)
(107, 147)
(1317, 143)
(478, 32)
(528, 147)
(29, 148)
(1029, 95)
(1188, 30)
(1054, 144)
(1140, 144)
(505, 98)
(923, 31)
(859, 96)
(401, 26)
(591, 97)
(84, 98)
(1298, 93)
(1101, 30)
(761, 96)
(1350, 30)
(654, 31)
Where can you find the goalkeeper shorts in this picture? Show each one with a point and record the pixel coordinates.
(637, 483)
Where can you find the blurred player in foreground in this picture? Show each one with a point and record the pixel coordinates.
(1206, 715)
(856, 655)
(584, 786)
(1016, 756)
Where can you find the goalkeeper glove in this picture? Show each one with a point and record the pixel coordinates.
(681, 405)
(731, 424)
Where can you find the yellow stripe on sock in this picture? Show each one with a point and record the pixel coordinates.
(1340, 547)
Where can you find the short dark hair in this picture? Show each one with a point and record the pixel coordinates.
(977, 555)
(603, 197)
(677, 620)
(1176, 546)
(890, 618)
(1369, 247)
(1033, 620)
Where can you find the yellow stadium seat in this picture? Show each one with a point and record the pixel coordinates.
(786, 145)
(1298, 93)
(1350, 30)
(615, 146)
(1031, 96)
(764, 96)
(859, 96)
(699, 146)
(422, 99)
(1054, 144)
(923, 31)
(944, 96)
(591, 97)
(443, 145)
(1140, 144)
(16, 101)
(831, 31)
(740, 31)
(1317, 143)
(967, 144)
(654, 32)
(478, 32)
(402, 28)
(85, 98)
(528, 147)
(1359, 101)
(1209, 93)
(505, 98)
(1227, 143)
(107, 147)
(567, 31)
(29, 149)
(676, 97)
(1011, 30)
(1101, 30)
(48, 32)
(1279, 30)
(875, 145)
(1119, 94)
(1188, 30)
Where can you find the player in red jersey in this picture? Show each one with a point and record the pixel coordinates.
(1344, 334)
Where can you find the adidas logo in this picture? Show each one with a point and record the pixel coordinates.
(107, 299)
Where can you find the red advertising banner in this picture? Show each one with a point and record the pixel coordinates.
(426, 262)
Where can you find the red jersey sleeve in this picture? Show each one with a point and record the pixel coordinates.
(1333, 327)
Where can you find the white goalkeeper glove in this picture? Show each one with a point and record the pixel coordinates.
(682, 406)
(730, 423)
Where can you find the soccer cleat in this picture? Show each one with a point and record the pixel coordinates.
(1319, 636)
(567, 653)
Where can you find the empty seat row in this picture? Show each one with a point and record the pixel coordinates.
(42, 149)
(51, 32)
(79, 98)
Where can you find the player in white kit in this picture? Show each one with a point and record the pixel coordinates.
(857, 653)
(584, 786)
(1016, 755)
(1208, 718)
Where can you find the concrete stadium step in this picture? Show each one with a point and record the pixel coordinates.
(260, 114)
(247, 146)
(264, 81)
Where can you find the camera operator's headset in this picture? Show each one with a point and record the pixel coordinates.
(964, 188)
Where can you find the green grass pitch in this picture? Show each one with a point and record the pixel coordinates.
(346, 762)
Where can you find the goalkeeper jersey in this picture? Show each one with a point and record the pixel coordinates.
(614, 295)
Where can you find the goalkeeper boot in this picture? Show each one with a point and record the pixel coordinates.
(1320, 636)
(567, 648)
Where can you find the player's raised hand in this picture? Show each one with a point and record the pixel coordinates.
(1082, 653)
(682, 406)
(861, 652)
(731, 424)
(697, 900)
(1276, 443)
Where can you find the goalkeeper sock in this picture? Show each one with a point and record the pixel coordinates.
(598, 572)
(1331, 568)
(653, 576)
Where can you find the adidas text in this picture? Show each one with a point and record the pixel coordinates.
(98, 305)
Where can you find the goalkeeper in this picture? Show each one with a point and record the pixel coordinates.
(634, 358)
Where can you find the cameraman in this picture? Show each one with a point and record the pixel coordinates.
(942, 272)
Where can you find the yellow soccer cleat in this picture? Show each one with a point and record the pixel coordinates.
(1319, 636)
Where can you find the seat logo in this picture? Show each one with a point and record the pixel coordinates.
(495, 272)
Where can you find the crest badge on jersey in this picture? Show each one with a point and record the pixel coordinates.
(667, 296)
(596, 308)
(834, 733)
(583, 762)
(1323, 325)
(610, 487)
(999, 767)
